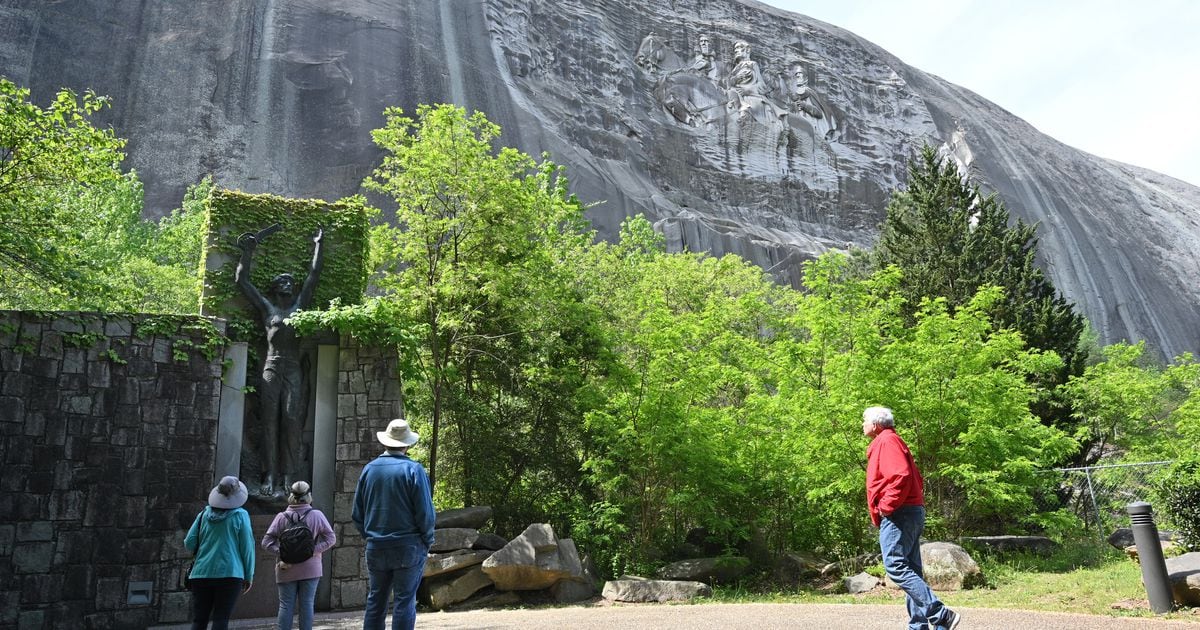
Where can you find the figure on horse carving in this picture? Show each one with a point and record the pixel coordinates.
(685, 90)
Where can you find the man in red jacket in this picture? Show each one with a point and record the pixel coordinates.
(895, 498)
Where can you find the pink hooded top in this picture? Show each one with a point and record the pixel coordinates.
(325, 539)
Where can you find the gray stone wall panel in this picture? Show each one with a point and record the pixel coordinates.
(105, 463)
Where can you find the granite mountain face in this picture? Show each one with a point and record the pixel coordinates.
(735, 126)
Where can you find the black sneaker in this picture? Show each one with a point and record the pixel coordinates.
(950, 620)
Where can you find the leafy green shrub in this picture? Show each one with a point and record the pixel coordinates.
(1180, 492)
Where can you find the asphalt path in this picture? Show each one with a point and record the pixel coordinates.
(732, 616)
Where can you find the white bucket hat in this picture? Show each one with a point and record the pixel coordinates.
(398, 435)
(228, 494)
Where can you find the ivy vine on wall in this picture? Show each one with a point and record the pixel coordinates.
(231, 213)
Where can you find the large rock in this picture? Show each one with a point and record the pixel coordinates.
(453, 538)
(489, 541)
(1123, 537)
(1184, 574)
(533, 561)
(859, 583)
(582, 581)
(712, 570)
(947, 568)
(469, 517)
(445, 593)
(790, 568)
(440, 563)
(1007, 544)
(790, 169)
(654, 590)
(487, 598)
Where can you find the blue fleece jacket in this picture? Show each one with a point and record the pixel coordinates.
(226, 544)
(392, 503)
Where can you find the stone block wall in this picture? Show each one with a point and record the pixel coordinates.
(107, 441)
(369, 397)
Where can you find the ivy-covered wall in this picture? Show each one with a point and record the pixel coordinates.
(231, 213)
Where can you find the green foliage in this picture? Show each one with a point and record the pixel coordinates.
(960, 390)
(475, 292)
(675, 444)
(1180, 491)
(1131, 406)
(231, 213)
(46, 155)
(75, 239)
(950, 240)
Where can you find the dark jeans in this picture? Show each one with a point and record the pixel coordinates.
(395, 570)
(900, 544)
(213, 598)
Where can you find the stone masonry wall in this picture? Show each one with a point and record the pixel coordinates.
(107, 439)
(368, 398)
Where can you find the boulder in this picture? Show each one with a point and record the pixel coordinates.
(488, 598)
(722, 569)
(947, 568)
(1184, 575)
(643, 590)
(1123, 537)
(860, 583)
(790, 568)
(453, 539)
(1169, 548)
(567, 591)
(533, 561)
(442, 563)
(577, 587)
(489, 541)
(1028, 544)
(444, 593)
(469, 517)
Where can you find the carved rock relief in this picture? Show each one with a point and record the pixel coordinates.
(769, 120)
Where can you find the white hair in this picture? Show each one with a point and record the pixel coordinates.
(879, 416)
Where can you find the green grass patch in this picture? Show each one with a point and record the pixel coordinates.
(1077, 579)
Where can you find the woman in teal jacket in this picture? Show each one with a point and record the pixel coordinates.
(223, 544)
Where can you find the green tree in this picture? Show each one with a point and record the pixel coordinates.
(961, 394)
(474, 287)
(77, 240)
(46, 157)
(949, 240)
(674, 445)
(1133, 408)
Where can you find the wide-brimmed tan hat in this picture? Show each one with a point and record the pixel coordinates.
(228, 494)
(398, 435)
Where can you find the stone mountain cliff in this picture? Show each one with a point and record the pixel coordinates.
(736, 127)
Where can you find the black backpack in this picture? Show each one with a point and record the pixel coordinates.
(296, 542)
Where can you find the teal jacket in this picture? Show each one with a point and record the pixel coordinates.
(226, 544)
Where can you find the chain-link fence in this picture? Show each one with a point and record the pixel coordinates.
(1099, 494)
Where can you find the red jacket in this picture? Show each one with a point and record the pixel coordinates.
(893, 480)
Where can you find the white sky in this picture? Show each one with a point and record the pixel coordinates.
(1116, 78)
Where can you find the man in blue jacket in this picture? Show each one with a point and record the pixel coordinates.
(393, 510)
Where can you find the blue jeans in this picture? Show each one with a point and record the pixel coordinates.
(396, 570)
(900, 544)
(289, 592)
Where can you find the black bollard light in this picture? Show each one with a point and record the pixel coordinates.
(1150, 555)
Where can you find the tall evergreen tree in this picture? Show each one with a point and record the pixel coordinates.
(949, 240)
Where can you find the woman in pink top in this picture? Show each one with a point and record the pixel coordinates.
(298, 582)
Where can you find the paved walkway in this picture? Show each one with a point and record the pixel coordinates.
(731, 616)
